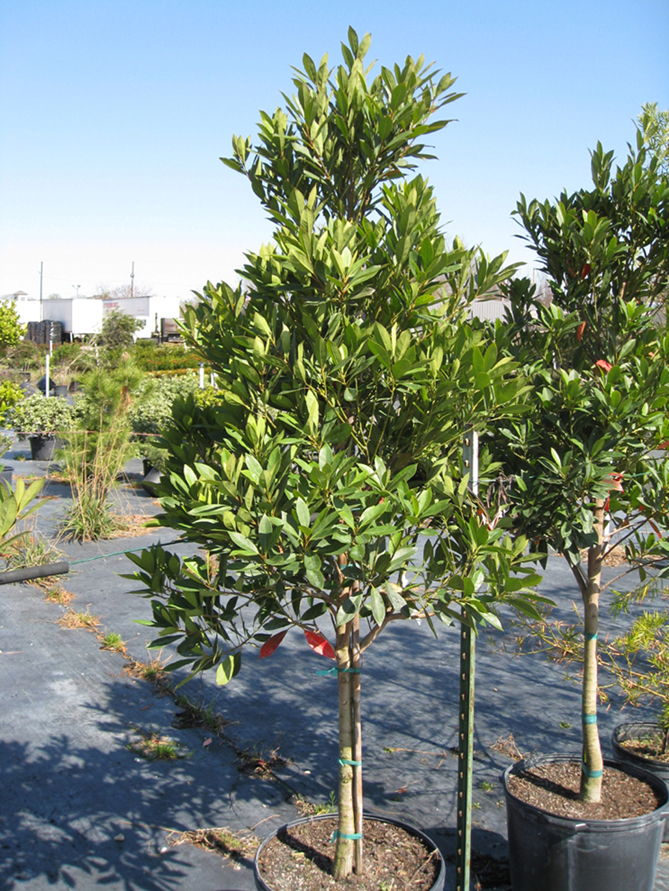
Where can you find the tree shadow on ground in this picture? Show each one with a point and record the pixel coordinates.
(78, 814)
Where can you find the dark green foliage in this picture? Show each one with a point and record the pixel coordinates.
(118, 329)
(11, 330)
(587, 460)
(344, 363)
(153, 358)
(606, 254)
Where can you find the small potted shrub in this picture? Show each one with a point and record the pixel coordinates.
(39, 418)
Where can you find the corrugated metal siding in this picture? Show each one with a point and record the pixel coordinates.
(489, 309)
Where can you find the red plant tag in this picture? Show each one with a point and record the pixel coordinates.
(580, 330)
(604, 365)
(270, 645)
(319, 644)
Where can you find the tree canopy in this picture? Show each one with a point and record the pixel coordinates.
(326, 487)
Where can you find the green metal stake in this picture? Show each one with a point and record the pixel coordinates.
(465, 756)
(466, 707)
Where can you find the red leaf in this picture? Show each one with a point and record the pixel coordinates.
(580, 330)
(604, 365)
(585, 271)
(655, 529)
(319, 644)
(615, 481)
(270, 645)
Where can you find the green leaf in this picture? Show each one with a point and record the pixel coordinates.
(228, 668)
(244, 544)
(377, 605)
(302, 511)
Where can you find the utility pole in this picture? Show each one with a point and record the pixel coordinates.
(132, 280)
(41, 276)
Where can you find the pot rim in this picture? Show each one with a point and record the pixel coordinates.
(622, 824)
(634, 757)
(313, 818)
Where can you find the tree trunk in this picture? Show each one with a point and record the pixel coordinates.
(344, 851)
(593, 765)
(356, 661)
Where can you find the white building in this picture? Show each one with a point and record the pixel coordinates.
(26, 307)
(79, 316)
(149, 310)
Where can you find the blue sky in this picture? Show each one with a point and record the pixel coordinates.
(113, 116)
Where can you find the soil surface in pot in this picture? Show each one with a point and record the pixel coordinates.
(647, 746)
(300, 858)
(554, 787)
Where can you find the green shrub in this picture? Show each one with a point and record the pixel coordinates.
(72, 358)
(152, 410)
(10, 394)
(151, 413)
(40, 416)
(25, 356)
(11, 330)
(166, 358)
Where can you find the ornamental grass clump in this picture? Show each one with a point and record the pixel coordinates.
(98, 450)
(347, 375)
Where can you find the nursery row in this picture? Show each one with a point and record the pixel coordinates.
(324, 484)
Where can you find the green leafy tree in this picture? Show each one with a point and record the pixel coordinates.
(326, 485)
(586, 473)
(118, 329)
(654, 130)
(11, 330)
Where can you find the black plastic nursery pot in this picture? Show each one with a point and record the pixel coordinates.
(151, 480)
(554, 853)
(432, 849)
(639, 730)
(6, 474)
(42, 447)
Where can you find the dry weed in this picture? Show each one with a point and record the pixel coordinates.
(72, 619)
(506, 745)
(235, 846)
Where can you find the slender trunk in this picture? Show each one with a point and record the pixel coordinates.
(343, 862)
(357, 741)
(593, 765)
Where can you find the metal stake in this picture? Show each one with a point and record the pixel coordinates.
(466, 706)
(465, 756)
